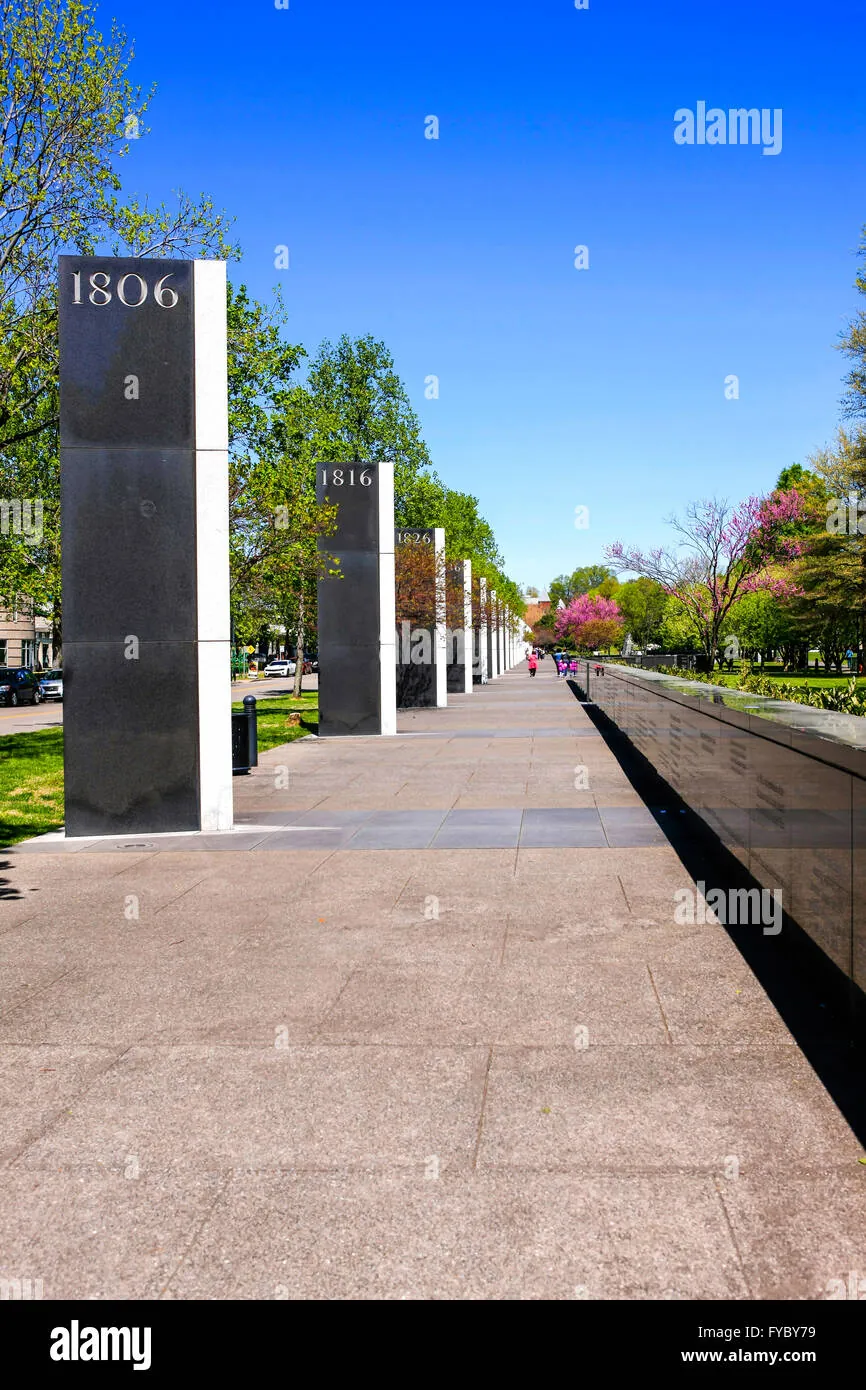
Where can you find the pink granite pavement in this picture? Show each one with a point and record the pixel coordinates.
(423, 1027)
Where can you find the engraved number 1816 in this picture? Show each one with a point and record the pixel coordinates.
(338, 477)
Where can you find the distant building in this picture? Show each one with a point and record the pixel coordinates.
(535, 609)
(25, 639)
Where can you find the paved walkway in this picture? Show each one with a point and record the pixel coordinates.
(424, 1026)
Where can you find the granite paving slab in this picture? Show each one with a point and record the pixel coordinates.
(423, 1026)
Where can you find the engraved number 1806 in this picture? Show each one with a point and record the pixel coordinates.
(131, 289)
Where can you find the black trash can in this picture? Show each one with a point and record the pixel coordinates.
(245, 741)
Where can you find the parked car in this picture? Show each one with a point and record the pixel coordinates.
(51, 685)
(279, 668)
(19, 687)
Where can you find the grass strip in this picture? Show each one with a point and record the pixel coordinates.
(31, 765)
(31, 785)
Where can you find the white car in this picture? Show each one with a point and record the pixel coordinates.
(51, 685)
(279, 668)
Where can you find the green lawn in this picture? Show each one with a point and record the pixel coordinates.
(274, 724)
(31, 785)
(815, 681)
(31, 765)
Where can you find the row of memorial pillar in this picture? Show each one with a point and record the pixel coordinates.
(494, 635)
(452, 631)
(402, 627)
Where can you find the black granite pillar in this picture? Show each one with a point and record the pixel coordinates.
(144, 514)
(357, 676)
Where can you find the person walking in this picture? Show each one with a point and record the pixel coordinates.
(572, 668)
(532, 663)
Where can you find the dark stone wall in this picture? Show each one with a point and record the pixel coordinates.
(787, 802)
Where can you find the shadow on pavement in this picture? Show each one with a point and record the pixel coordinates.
(7, 889)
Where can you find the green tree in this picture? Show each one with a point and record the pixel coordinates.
(426, 501)
(581, 581)
(642, 603)
(680, 632)
(853, 345)
(68, 112)
(30, 555)
(760, 622)
(67, 115)
(360, 410)
(832, 568)
(268, 437)
(834, 574)
(276, 522)
(291, 574)
(608, 588)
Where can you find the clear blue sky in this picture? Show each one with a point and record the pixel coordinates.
(558, 387)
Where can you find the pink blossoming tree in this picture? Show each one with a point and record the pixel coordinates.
(589, 621)
(724, 552)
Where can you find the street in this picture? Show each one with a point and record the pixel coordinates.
(26, 719)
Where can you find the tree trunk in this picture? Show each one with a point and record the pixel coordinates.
(299, 655)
